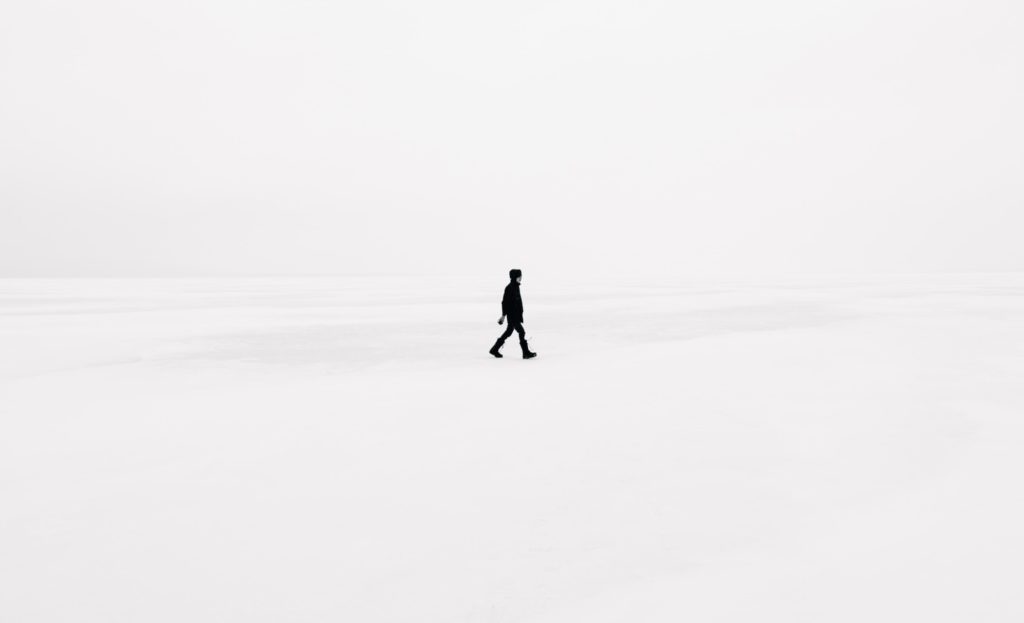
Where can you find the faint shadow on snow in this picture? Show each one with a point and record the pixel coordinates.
(345, 346)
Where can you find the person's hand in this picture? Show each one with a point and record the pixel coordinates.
(501, 320)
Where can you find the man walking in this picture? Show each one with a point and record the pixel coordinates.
(512, 307)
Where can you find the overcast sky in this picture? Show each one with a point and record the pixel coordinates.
(225, 137)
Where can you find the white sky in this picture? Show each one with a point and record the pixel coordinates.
(226, 137)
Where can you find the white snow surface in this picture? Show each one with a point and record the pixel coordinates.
(209, 450)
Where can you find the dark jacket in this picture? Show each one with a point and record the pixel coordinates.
(512, 303)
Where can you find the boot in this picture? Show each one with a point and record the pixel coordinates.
(526, 350)
(497, 346)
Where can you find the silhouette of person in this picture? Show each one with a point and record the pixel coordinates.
(512, 307)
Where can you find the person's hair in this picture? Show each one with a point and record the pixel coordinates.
(515, 272)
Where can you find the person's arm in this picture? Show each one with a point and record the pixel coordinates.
(504, 307)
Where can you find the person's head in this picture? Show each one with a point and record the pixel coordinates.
(516, 275)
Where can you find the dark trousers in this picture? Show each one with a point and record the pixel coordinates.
(513, 325)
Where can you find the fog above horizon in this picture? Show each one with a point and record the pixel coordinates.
(248, 138)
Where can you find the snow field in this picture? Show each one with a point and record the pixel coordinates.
(345, 449)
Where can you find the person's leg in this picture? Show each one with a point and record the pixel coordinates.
(501, 340)
(522, 341)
